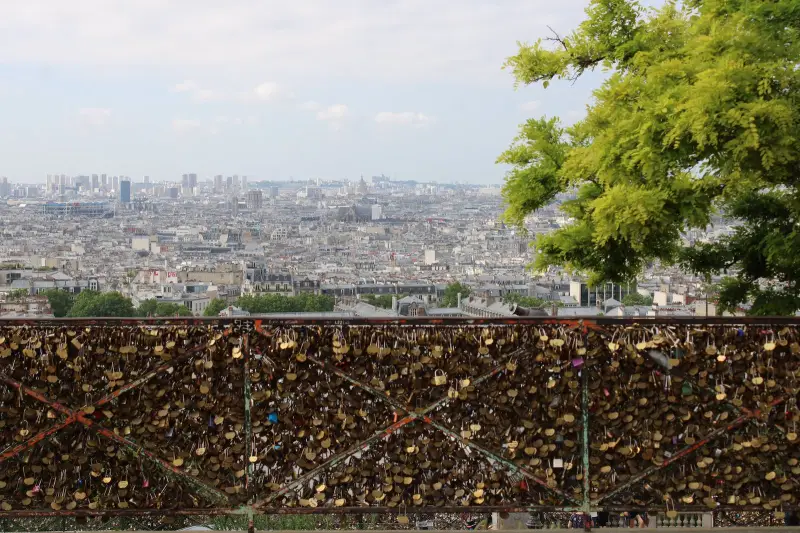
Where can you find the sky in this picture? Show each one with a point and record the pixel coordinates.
(273, 90)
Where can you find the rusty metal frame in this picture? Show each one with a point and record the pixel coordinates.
(687, 450)
(256, 322)
(78, 415)
(422, 415)
(255, 325)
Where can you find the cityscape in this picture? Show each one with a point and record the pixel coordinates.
(234, 245)
(380, 266)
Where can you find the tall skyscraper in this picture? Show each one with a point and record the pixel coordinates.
(125, 191)
(244, 183)
(96, 181)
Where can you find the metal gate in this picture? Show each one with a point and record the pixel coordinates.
(210, 416)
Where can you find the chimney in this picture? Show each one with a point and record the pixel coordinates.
(394, 303)
(459, 300)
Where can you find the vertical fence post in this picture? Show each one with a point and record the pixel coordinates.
(587, 504)
(248, 431)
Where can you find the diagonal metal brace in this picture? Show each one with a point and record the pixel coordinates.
(344, 455)
(422, 415)
(14, 451)
(335, 460)
(688, 450)
(77, 416)
(36, 439)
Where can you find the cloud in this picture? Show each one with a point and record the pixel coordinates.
(334, 113)
(407, 118)
(95, 116)
(531, 106)
(269, 91)
(184, 87)
(197, 93)
(264, 92)
(181, 125)
(305, 38)
(310, 105)
(236, 121)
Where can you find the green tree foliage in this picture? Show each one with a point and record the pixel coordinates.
(154, 308)
(18, 294)
(634, 298)
(531, 302)
(60, 302)
(525, 301)
(102, 304)
(450, 298)
(278, 303)
(698, 116)
(381, 300)
(215, 306)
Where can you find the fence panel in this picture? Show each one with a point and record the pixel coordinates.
(185, 416)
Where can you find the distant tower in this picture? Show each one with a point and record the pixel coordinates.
(125, 191)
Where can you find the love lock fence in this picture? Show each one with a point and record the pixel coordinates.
(212, 417)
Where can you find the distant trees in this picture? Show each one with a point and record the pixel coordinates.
(114, 304)
(215, 307)
(60, 301)
(18, 294)
(450, 298)
(634, 298)
(531, 302)
(101, 304)
(278, 303)
(381, 300)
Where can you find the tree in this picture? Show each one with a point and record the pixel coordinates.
(101, 304)
(450, 298)
(698, 117)
(278, 303)
(382, 300)
(172, 309)
(18, 294)
(60, 301)
(154, 308)
(215, 306)
(634, 298)
(531, 302)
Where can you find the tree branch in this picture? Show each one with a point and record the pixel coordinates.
(557, 38)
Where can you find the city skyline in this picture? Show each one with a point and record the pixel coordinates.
(408, 89)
